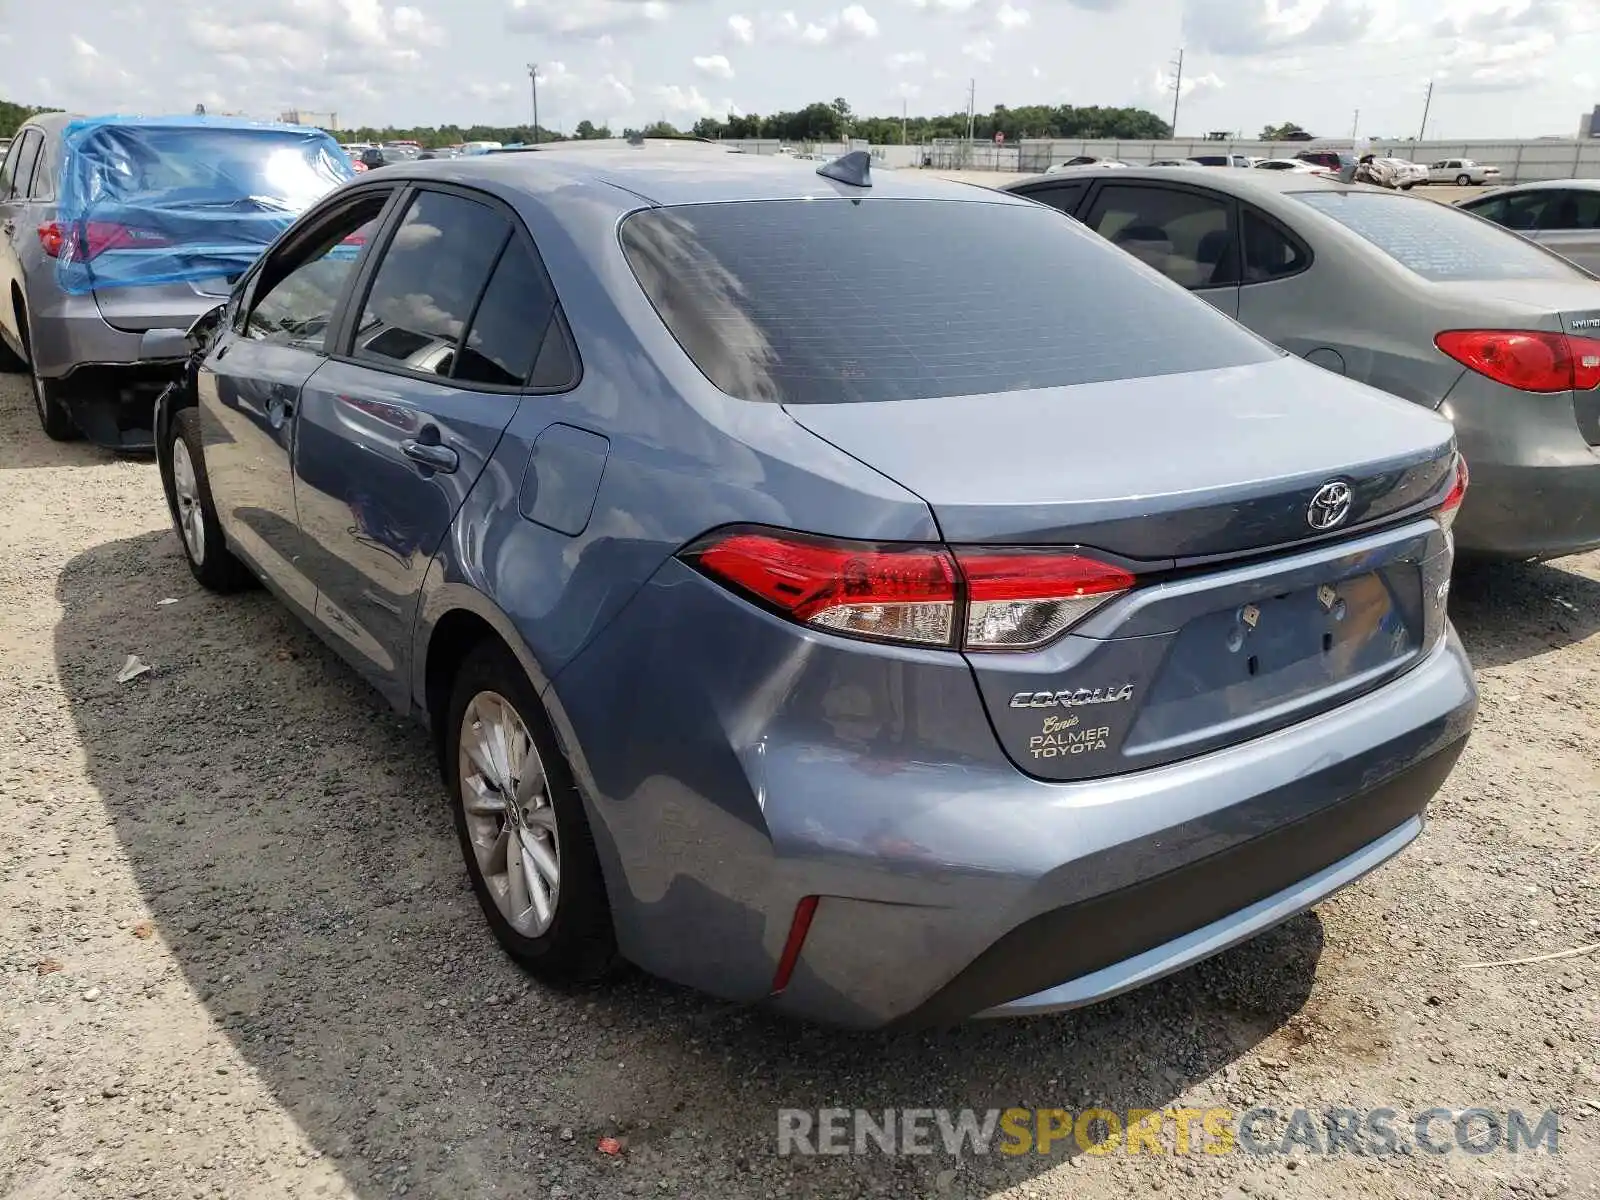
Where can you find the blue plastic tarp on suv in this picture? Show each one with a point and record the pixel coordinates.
(148, 200)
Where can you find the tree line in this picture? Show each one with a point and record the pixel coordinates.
(818, 122)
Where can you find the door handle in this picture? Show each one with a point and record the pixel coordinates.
(433, 456)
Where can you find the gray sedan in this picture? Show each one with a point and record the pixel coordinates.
(1563, 214)
(1411, 296)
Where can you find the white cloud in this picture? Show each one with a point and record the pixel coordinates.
(1246, 27)
(716, 66)
(980, 50)
(902, 59)
(857, 22)
(681, 101)
(1193, 82)
(853, 23)
(583, 17)
(1012, 18)
(742, 28)
(83, 49)
(946, 6)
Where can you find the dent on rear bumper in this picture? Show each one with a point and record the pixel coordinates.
(746, 764)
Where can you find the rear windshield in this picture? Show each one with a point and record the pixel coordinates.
(276, 168)
(822, 301)
(1438, 241)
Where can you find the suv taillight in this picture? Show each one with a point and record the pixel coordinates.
(977, 598)
(1528, 360)
(52, 236)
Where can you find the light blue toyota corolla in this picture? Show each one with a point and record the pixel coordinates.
(875, 596)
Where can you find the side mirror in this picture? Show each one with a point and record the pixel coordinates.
(204, 328)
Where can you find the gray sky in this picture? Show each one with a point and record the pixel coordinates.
(1502, 67)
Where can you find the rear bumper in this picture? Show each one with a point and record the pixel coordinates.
(106, 377)
(1535, 489)
(749, 764)
(1532, 510)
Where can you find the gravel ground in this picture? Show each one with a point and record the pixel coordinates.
(239, 957)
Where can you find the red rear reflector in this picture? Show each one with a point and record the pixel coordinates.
(1456, 494)
(1021, 598)
(52, 237)
(895, 593)
(1014, 599)
(1528, 360)
(798, 928)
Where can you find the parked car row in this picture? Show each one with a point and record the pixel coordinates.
(115, 233)
(783, 643)
(1384, 172)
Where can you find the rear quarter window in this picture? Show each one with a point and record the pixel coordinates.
(829, 301)
(1437, 241)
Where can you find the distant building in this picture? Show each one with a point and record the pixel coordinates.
(296, 116)
(1589, 126)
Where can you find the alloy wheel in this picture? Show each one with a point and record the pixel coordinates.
(191, 519)
(505, 798)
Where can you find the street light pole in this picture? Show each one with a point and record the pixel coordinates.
(533, 78)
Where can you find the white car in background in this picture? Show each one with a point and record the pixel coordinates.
(1462, 172)
(1407, 174)
(1291, 164)
(1084, 160)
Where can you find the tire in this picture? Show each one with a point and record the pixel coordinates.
(1463, 180)
(54, 418)
(572, 941)
(194, 513)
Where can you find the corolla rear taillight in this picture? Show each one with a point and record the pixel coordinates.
(977, 598)
(1024, 598)
(889, 593)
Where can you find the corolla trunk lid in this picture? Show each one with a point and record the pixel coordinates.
(1174, 467)
(1237, 615)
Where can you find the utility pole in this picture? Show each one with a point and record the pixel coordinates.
(1177, 90)
(902, 120)
(533, 78)
(972, 93)
(1355, 124)
(1426, 105)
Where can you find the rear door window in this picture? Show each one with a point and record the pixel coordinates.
(1187, 236)
(515, 329)
(43, 186)
(1270, 251)
(428, 281)
(27, 155)
(1570, 210)
(1062, 196)
(829, 301)
(1437, 241)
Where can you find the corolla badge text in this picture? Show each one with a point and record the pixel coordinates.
(1073, 699)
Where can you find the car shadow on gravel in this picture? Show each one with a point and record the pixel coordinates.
(288, 834)
(1509, 611)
